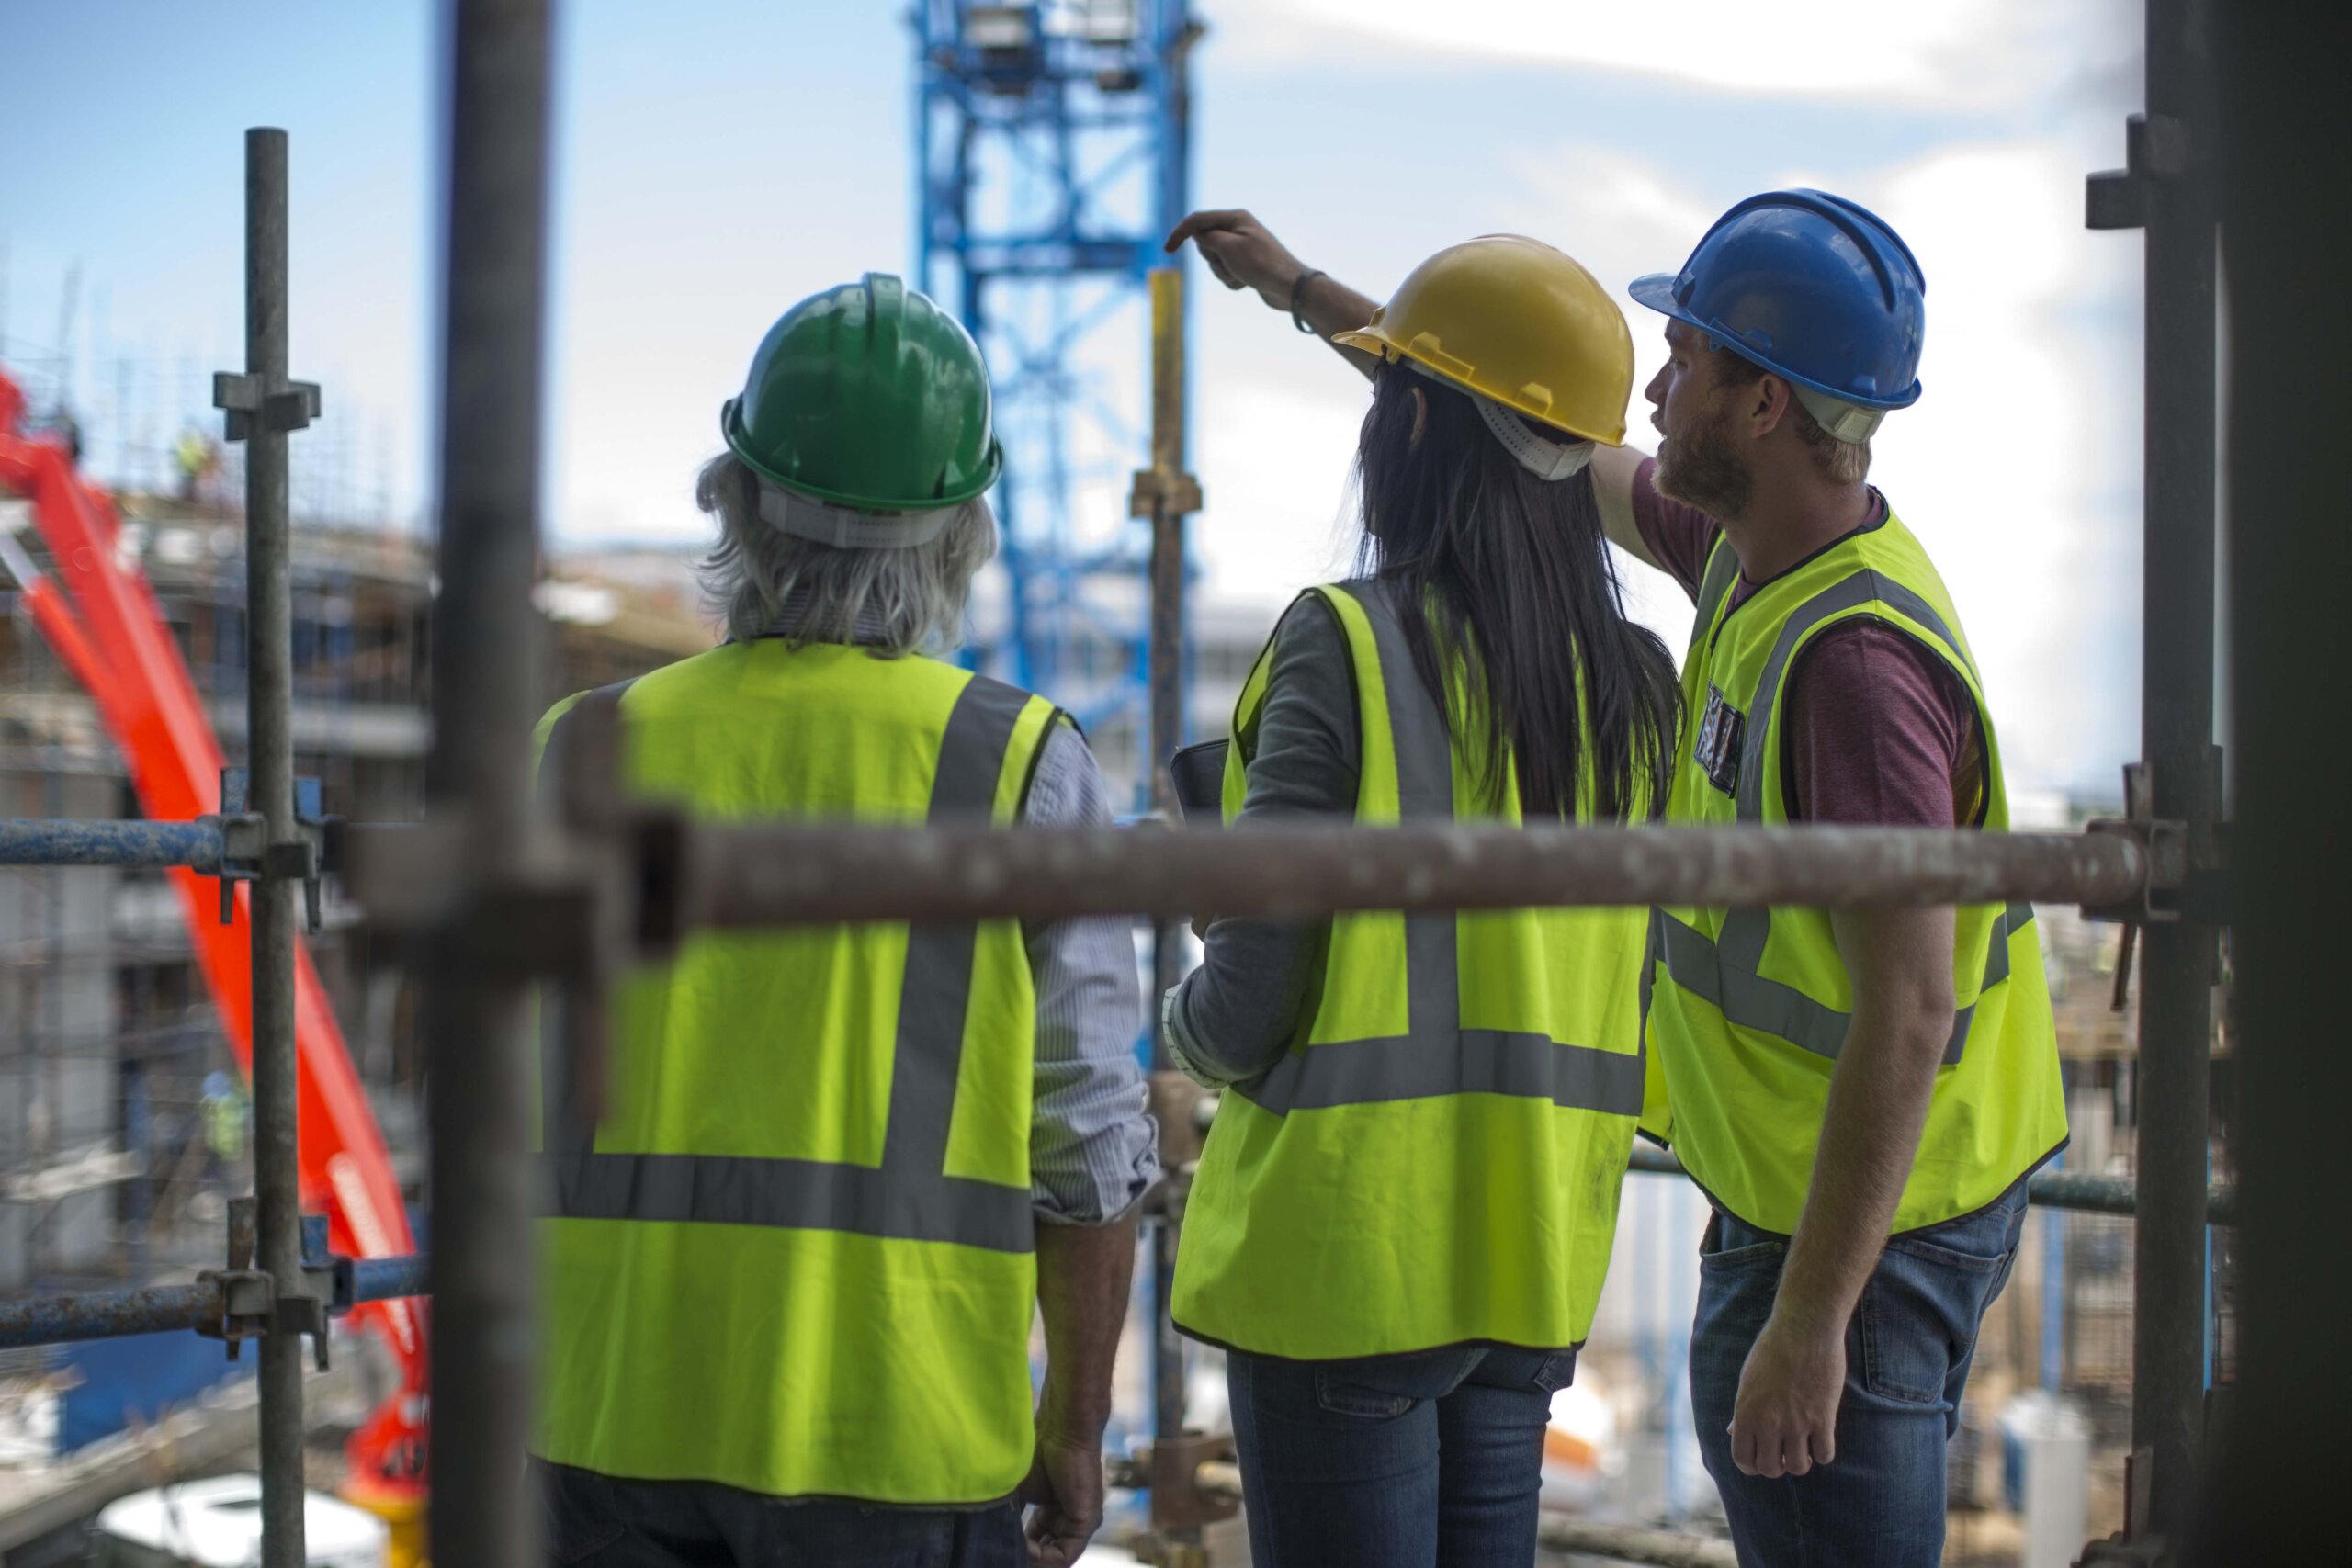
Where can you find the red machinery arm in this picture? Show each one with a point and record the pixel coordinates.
(110, 632)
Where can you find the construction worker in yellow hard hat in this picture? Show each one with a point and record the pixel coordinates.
(1404, 1211)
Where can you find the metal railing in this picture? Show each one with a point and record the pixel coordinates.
(494, 900)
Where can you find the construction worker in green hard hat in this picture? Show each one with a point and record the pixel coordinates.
(838, 1169)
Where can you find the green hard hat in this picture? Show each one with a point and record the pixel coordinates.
(868, 396)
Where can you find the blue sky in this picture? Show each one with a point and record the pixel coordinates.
(718, 159)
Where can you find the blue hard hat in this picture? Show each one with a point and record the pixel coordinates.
(1810, 286)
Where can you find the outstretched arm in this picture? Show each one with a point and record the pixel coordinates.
(1613, 469)
(1244, 253)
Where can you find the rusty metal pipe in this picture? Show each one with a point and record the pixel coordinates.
(762, 877)
(68, 1316)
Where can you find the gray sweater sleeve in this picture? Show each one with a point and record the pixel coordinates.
(1233, 1016)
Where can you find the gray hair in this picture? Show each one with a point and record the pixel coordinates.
(896, 602)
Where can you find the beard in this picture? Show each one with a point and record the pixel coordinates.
(1699, 468)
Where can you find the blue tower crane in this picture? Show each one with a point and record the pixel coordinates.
(1053, 154)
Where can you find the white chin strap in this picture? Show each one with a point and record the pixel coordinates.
(1849, 423)
(1549, 460)
(845, 529)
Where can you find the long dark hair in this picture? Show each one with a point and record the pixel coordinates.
(1521, 593)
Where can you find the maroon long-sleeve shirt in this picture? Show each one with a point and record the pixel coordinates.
(1877, 731)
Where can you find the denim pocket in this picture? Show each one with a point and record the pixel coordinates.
(1341, 1397)
(1755, 1253)
(1919, 1315)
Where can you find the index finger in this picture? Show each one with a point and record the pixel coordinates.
(1204, 220)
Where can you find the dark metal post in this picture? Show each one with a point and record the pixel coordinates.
(2279, 1466)
(2177, 727)
(269, 696)
(485, 694)
(1168, 494)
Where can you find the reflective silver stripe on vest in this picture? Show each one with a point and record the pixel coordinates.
(909, 1197)
(1437, 1056)
(1722, 571)
(1723, 973)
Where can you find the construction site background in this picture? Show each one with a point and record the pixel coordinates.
(119, 1142)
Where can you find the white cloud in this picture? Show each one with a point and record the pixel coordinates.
(1276, 458)
(1921, 53)
(1999, 469)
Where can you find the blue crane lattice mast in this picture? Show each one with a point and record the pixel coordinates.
(1052, 156)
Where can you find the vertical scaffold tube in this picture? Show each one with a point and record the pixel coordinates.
(269, 697)
(485, 690)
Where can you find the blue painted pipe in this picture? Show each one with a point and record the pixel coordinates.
(386, 1279)
(107, 1314)
(25, 842)
(156, 1309)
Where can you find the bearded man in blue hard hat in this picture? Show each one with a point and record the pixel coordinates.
(1863, 1094)
(791, 1267)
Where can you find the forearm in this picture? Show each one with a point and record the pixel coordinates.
(1612, 470)
(1236, 1014)
(1330, 307)
(1870, 1133)
(1083, 1275)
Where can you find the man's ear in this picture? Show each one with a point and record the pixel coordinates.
(1420, 416)
(1769, 401)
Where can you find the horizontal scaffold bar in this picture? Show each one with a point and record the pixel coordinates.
(29, 841)
(63, 1317)
(739, 875)
(2072, 1190)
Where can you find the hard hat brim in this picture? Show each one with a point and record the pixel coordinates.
(1371, 340)
(1656, 290)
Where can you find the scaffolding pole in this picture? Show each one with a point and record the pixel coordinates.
(485, 691)
(2273, 1493)
(148, 845)
(267, 420)
(1165, 493)
(759, 877)
(2177, 730)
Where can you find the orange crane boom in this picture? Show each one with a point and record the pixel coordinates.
(101, 616)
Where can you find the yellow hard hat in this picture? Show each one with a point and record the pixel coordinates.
(1513, 319)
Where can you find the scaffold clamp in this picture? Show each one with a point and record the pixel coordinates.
(276, 403)
(246, 855)
(2164, 852)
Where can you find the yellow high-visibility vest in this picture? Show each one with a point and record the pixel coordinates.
(796, 1255)
(1748, 1007)
(1436, 1159)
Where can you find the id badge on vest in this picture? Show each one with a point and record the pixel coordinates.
(1722, 728)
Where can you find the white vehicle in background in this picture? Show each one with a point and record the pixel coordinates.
(217, 1524)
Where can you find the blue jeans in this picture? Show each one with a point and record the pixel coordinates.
(1394, 1462)
(588, 1520)
(1907, 1352)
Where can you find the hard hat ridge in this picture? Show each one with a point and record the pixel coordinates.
(868, 398)
(1815, 287)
